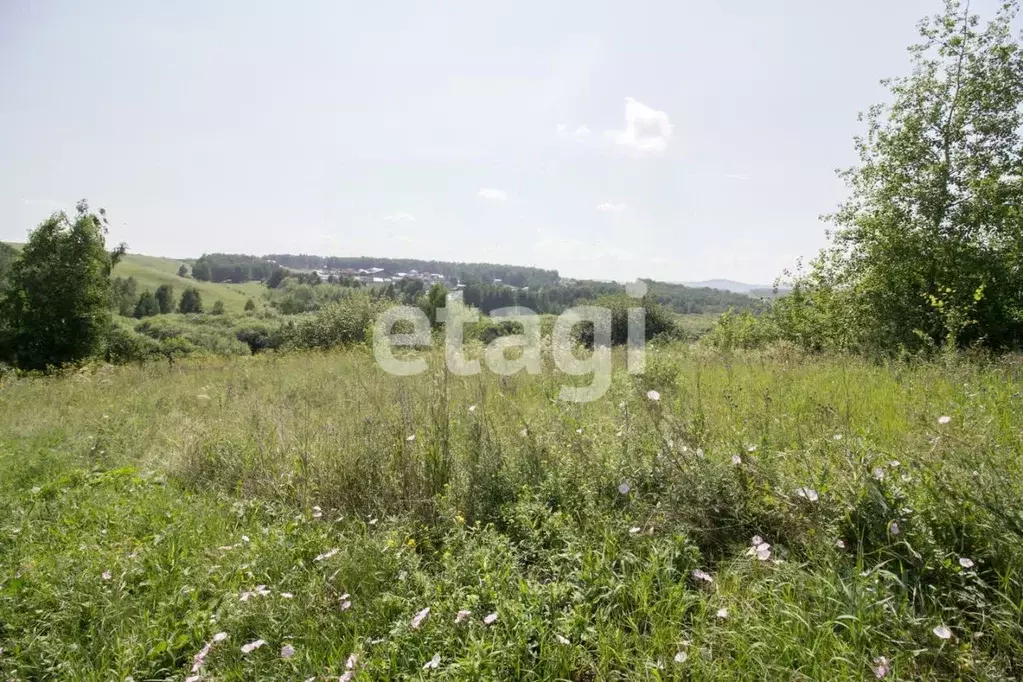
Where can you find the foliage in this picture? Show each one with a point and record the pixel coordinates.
(183, 271)
(341, 323)
(56, 308)
(123, 295)
(218, 308)
(7, 258)
(431, 301)
(250, 306)
(165, 298)
(191, 301)
(929, 247)
(237, 268)
(147, 305)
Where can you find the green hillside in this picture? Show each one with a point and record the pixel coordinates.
(151, 272)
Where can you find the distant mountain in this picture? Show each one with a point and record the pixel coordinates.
(730, 285)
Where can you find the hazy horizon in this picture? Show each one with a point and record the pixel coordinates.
(676, 141)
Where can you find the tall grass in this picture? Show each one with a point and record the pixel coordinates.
(580, 525)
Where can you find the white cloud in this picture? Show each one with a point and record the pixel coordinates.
(608, 207)
(646, 129)
(736, 176)
(493, 194)
(400, 217)
(580, 132)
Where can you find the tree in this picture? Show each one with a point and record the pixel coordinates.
(435, 298)
(165, 298)
(183, 271)
(56, 309)
(123, 295)
(218, 308)
(7, 257)
(147, 305)
(250, 306)
(276, 278)
(191, 301)
(929, 247)
(202, 271)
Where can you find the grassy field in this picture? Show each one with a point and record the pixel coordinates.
(313, 503)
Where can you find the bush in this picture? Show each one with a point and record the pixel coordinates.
(125, 345)
(338, 324)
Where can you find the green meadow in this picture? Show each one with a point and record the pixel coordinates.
(756, 515)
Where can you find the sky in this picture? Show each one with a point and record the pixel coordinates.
(675, 140)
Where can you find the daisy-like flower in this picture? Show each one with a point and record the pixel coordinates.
(881, 667)
(252, 646)
(624, 488)
(756, 540)
(564, 641)
(420, 617)
(462, 615)
(944, 419)
(965, 563)
(107, 575)
(245, 538)
(326, 555)
(352, 661)
(942, 632)
(219, 637)
(893, 527)
(433, 663)
(807, 493)
(287, 595)
(722, 614)
(840, 543)
(411, 438)
(878, 473)
(579, 430)
(490, 619)
(760, 549)
(317, 512)
(752, 448)
(837, 436)
(653, 395)
(472, 408)
(346, 602)
(699, 574)
(635, 529)
(681, 657)
(736, 460)
(287, 651)
(373, 522)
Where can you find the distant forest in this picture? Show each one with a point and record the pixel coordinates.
(464, 273)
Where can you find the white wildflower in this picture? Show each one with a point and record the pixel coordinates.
(624, 488)
(287, 651)
(893, 528)
(965, 563)
(317, 512)
(653, 395)
(462, 615)
(942, 632)
(472, 408)
(878, 473)
(635, 529)
(807, 493)
(433, 663)
(420, 617)
(326, 555)
(736, 460)
(562, 640)
(411, 438)
(287, 595)
(881, 667)
(699, 574)
(944, 419)
(840, 543)
(252, 646)
(490, 619)
(722, 614)
(107, 575)
(681, 657)
(837, 436)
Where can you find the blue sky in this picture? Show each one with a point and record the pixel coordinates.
(674, 140)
